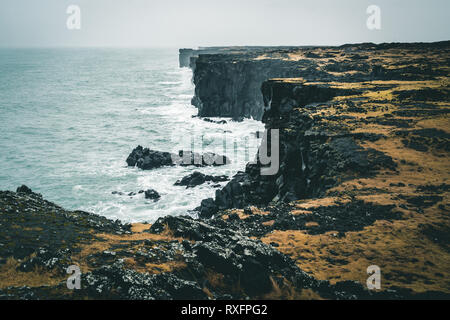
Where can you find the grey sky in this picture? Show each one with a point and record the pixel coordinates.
(191, 23)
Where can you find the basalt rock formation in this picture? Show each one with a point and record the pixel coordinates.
(147, 159)
(314, 154)
(152, 195)
(227, 82)
(175, 258)
(228, 86)
(188, 57)
(372, 132)
(198, 178)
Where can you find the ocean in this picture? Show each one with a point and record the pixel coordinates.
(70, 117)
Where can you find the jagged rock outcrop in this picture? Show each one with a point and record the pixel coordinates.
(197, 178)
(152, 195)
(147, 159)
(314, 155)
(24, 189)
(117, 282)
(175, 258)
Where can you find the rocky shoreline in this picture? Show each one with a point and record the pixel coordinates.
(175, 258)
(363, 180)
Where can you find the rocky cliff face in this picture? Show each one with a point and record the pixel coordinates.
(229, 86)
(315, 149)
(315, 154)
(228, 82)
(377, 137)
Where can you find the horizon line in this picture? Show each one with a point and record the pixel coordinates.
(200, 46)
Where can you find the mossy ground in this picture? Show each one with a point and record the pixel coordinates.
(407, 256)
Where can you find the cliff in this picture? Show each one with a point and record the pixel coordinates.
(187, 57)
(363, 175)
(227, 82)
(229, 85)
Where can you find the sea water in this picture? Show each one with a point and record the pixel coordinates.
(70, 117)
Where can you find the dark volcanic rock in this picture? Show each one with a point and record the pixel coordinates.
(227, 81)
(188, 228)
(424, 139)
(422, 201)
(207, 208)
(427, 95)
(115, 282)
(354, 157)
(46, 258)
(137, 156)
(152, 194)
(227, 84)
(214, 121)
(233, 255)
(24, 189)
(147, 159)
(219, 82)
(242, 190)
(253, 264)
(313, 155)
(188, 158)
(438, 234)
(192, 180)
(353, 216)
(341, 218)
(208, 247)
(198, 178)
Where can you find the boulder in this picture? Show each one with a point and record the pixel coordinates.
(147, 159)
(198, 178)
(208, 208)
(152, 195)
(116, 282)
(232, 254)
(24, 189)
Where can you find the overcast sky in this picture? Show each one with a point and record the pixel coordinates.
(192, 23)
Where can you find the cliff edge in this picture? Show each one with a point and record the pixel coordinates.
(364, 168)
